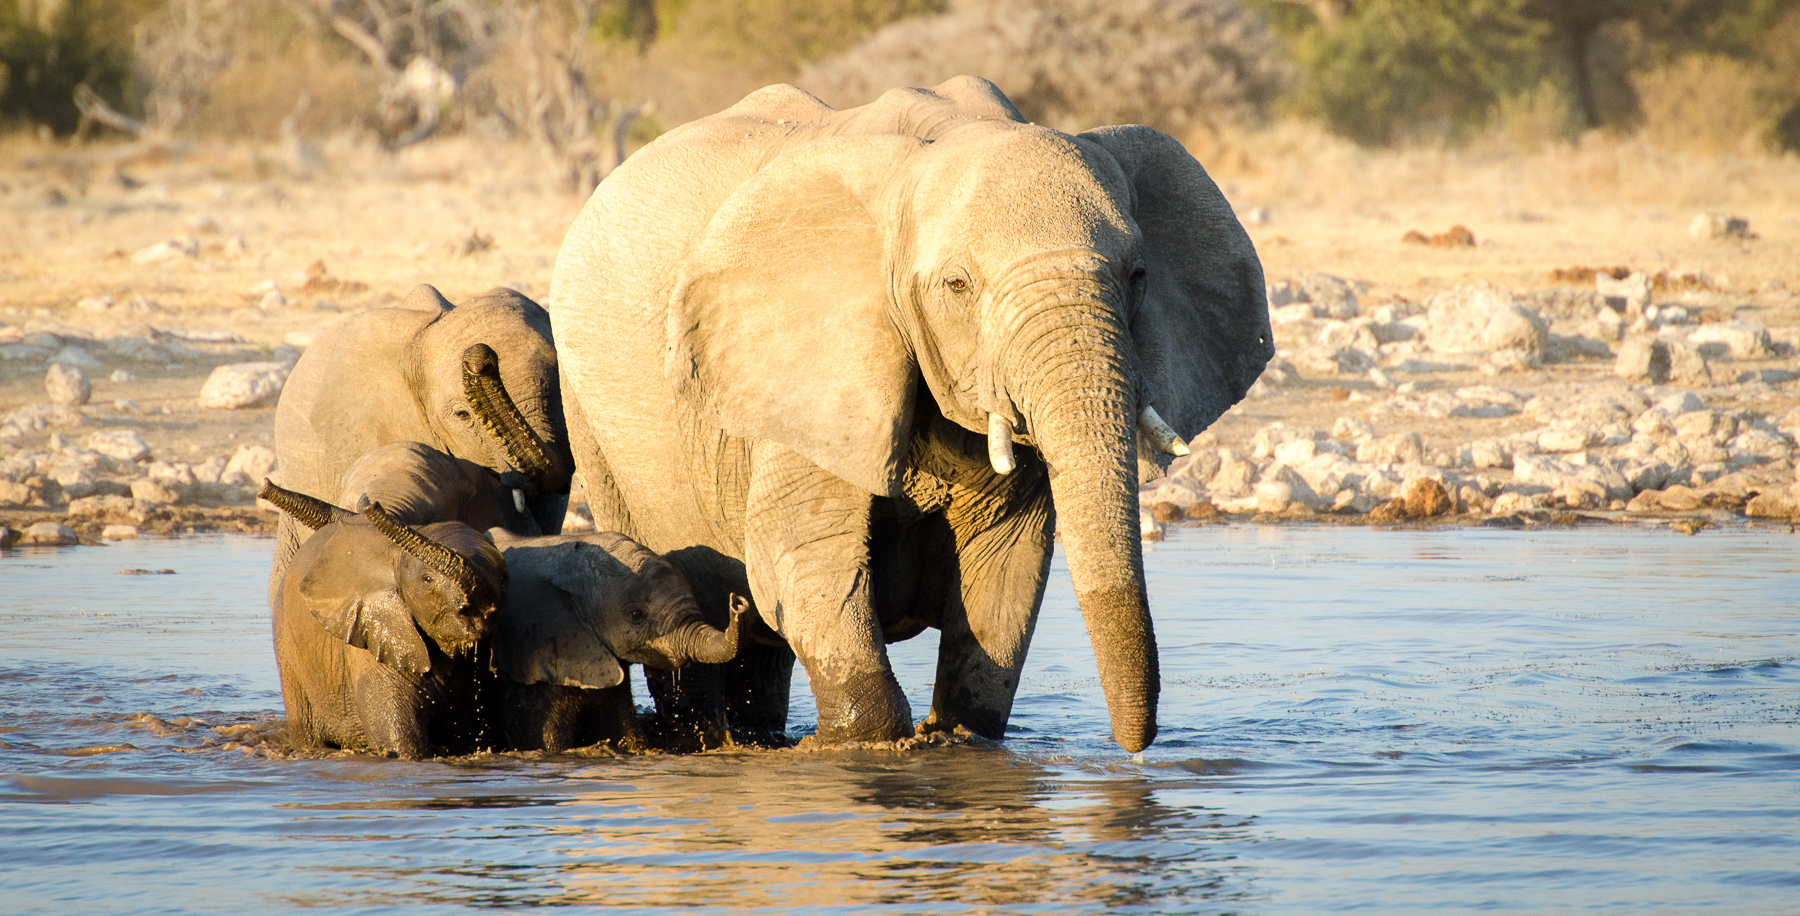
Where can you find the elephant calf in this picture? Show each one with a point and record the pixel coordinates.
(576, 607)
(377, 630)
(579, 606)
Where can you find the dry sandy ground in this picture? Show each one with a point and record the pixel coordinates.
(466, 217)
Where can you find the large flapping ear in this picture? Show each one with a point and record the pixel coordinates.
(1202, 331)
(781, 324)
(542, 636)
(355, 600)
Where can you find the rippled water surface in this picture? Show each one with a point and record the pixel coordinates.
(1352, 719)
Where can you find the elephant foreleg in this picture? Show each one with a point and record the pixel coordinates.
(807, 555)
(387, 706)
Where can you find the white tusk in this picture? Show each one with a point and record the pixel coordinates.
(519, 500)
(1159, 433)
(1000, 453)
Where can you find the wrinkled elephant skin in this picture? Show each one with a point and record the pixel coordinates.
(864, 362)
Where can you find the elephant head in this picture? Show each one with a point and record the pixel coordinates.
(485, 378)
(418, 484)
(1090, 297)
(582, 604)
(385, 587)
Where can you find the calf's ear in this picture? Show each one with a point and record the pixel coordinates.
(544, 633)
(378, 623)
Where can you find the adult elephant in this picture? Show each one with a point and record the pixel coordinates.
(869, 360)
(476, 380)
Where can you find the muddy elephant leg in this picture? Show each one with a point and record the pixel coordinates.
(1003, 561)
(387, 707)
(807, 554)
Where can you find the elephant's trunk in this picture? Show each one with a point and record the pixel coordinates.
(310, 511)
(503, 420)
(700, 642)
(1074, 387)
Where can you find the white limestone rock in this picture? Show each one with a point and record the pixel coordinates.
(243, 385)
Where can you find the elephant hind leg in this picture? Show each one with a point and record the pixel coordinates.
(989, 616)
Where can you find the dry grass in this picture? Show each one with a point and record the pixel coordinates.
(1340, 208)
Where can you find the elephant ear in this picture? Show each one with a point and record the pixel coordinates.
(425, 298)
(378, 622)
(545, 634)
(1202, 330)
(781, 324)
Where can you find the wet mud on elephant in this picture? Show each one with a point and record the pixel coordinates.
(866, 362)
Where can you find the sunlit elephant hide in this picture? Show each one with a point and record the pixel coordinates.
(864, 362)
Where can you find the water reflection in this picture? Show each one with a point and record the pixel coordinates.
(961, 826)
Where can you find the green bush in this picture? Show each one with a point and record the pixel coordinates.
(1394, 70)
(41, 63)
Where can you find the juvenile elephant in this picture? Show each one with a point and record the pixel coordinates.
(576, 606)
(477, 380)
(579, 606)
(865, 362)
(376, 634)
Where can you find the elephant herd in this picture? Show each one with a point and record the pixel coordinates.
(828, 378)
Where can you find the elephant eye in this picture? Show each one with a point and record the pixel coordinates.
(957, 284)
(638, 615)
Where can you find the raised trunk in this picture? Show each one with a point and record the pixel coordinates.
(1080, 408)
(503, 421)
(700, 642)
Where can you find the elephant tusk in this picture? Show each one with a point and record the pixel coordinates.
(1000, 444)
(518, 499)
(1159, 433)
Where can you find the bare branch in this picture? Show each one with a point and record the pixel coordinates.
(368, 44)
(94, 108)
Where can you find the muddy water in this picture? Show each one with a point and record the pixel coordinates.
(1351, 720)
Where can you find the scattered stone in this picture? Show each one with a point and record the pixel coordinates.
(67, 385)
(1714, 226)
(1661, 361)
(1394, 510)
(249, 465)
(49, 534)
(95, 303)
(120, 445)
(1148, 527)
(122, 375)
(1399, 448)
(153, 492)
(1483, 317)
(182, 246)
(1628, 295)
(1777, 505)
(1733, 340)
(1427, 498)
(273, 300)
(119, 533)
(1690, 526)
(241, 385)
